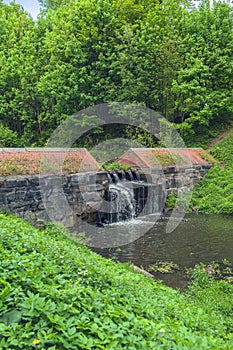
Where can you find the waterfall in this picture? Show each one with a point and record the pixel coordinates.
(129, 175)
(136, 175)
(109, 178)
(125, 202)
(115, 178)
(121, 203)
(127, 197)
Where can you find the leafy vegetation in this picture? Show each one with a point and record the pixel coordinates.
(206, 156)
(214, 193)
(163, 267)
(81, 53)
(116, 165)
(8, 137)
(171, 200)
(223, 151)
(165, 158)
(56, 294)
(218, 270)
(20, 164)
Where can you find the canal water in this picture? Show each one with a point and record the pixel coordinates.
(198, 238)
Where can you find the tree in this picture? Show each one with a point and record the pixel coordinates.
(17, 68)
(50, 4)
(203, 87)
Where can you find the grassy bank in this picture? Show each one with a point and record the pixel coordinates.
(215, 193)
(56, 294)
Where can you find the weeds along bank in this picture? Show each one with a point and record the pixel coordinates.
(214, 194)
(56, 294)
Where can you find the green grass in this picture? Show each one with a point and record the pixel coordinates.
(223, 151)
(215, 193)
(56, 294)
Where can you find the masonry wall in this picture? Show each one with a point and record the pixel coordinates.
(22, 195)
(183, 179)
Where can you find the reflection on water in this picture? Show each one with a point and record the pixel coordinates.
(198, 238)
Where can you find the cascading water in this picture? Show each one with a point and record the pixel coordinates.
(136, 175)
(124, 207)
(128, 196)
(115, 178)
(120, 199)
(129, 176)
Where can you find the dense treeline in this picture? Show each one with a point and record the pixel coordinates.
(174, 59)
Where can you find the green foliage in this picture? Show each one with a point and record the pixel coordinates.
(48, 4)
(215, 270)
(223, 151)
(171, 200)
(203, 87)
(203, 138)
(57, 294)
(171, 58)
(164, 267)
(8, 137)
(167, 158)
(206, 156)
(216, 298)
(214, 193)
(115, 166)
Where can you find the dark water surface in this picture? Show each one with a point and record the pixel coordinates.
(198, 238)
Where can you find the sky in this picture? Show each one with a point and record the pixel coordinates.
(31, 6)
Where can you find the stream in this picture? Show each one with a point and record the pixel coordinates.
(198, 238)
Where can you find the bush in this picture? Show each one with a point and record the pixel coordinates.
(8, 137)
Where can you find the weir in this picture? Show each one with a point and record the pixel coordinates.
(128, 196)
(71, 186)
(121, 203)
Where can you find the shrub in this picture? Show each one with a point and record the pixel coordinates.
(8, 137)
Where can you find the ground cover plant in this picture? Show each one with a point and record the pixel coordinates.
(24, 163)
(215, 193)
(57, 294)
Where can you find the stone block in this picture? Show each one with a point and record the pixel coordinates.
(95, 188)
(79, 209)
(40, 206)
(91, 197)
(80, 179)
(11, 197)
(33, 181)
(99, 177)
(2, 182)
(16, 181)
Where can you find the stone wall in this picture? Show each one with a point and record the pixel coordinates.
(176, 179)
(40, 199)
(32, 197)
(182, 179)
